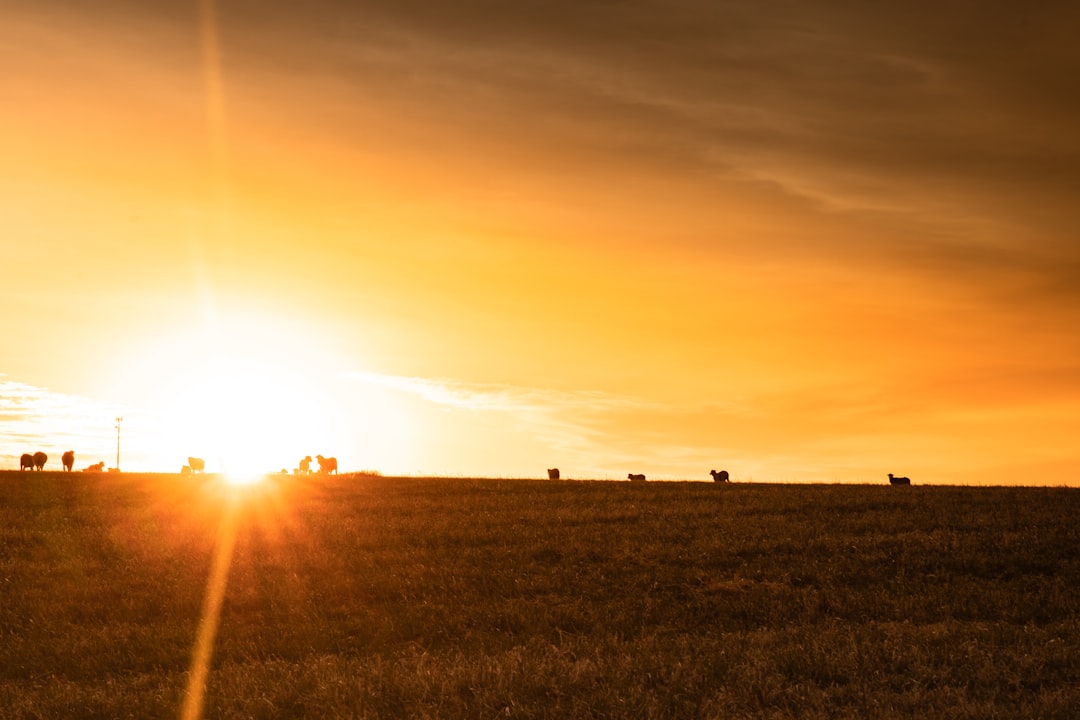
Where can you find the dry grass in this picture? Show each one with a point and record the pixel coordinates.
(372, 597)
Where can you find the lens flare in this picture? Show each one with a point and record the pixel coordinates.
(211, 612)
(243, 479)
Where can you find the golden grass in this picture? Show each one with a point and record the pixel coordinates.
(372, 597)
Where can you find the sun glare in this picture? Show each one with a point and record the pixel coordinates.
(243, 479)
(246, 416)
(238, 397)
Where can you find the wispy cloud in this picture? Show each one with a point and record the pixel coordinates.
(594, 434)
(853, 432)
(35, 418)
(499, 397)
(576, 426)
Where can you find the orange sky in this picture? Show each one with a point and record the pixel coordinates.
(799, 241)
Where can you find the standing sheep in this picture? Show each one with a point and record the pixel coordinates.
(68, 459)
(327, 465)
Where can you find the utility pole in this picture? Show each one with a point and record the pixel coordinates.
(118, 421)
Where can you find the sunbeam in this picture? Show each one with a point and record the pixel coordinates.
(211, 611)
(214, 94)
(226, 538)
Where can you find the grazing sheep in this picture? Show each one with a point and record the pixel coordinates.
(721, 476)
(327, 465)
(305, 465)
(96, 467)
(186, 470)
(636, 478)
(68, 459)
(899, 480)
(40, 459)
(553, 473)
(26, 462)
(197, 465)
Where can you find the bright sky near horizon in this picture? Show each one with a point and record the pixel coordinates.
(802, 241)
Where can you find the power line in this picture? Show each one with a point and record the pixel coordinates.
(118, 421)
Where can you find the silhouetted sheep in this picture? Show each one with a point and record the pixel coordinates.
(553, 473)
(305, 465)
(327, 465)
(721, 476)
(96, 467)
(40, 459)
(197, 465)
(899, 480)
(636, 478)
(26, 462)
(68, 459)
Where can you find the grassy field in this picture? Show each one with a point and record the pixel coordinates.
(370, 597)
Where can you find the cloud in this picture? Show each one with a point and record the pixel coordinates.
(851, 430)
(938, 129)
(498, 397)
(604, 435)
(948, 136)
(580, 427)
(34, 418)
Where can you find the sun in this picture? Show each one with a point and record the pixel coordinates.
(247, 416)
(240, 398)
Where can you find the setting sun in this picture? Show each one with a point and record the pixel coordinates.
(246, 414)
(240, 392)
